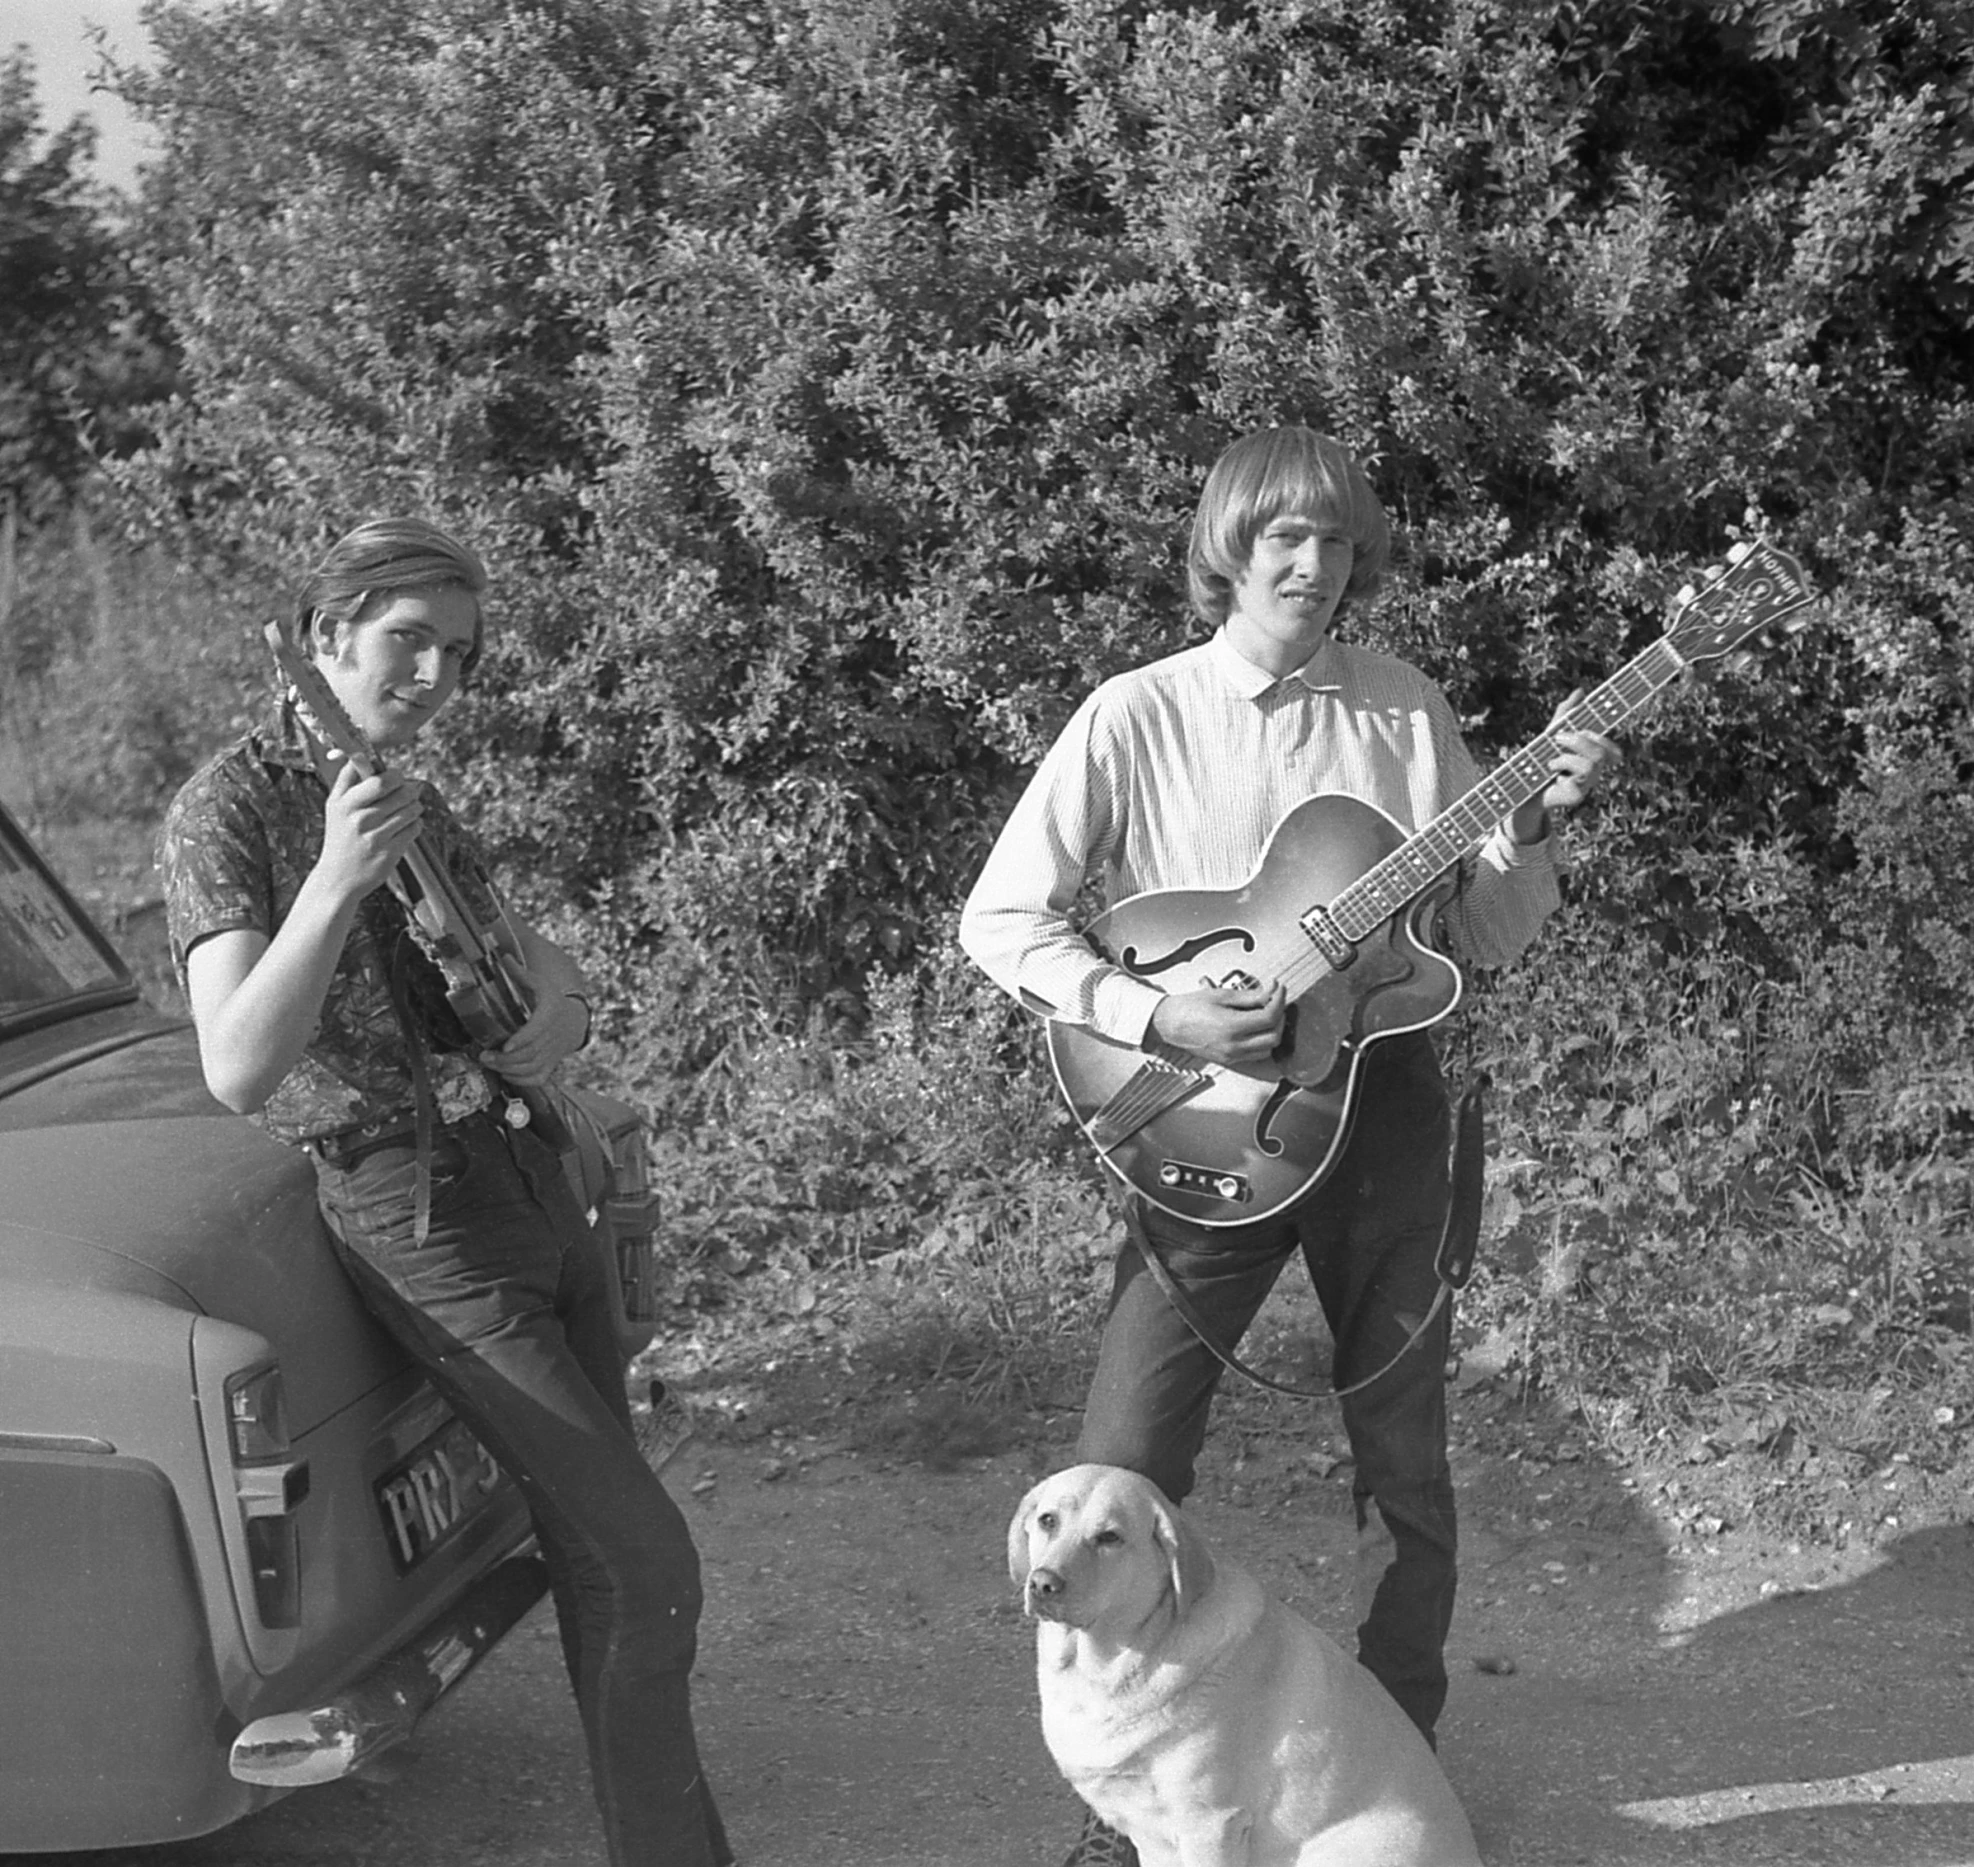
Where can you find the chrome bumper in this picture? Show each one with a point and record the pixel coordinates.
(292, 1749)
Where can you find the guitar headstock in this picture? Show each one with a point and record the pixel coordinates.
(1754, 591)
(325, 718)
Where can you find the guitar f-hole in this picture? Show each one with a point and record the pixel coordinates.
(1263, 1122)
(1141, 967)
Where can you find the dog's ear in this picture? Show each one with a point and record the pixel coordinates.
(1018, 1540)
(1185, 1549)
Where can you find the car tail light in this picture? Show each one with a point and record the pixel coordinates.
(270, 1486)
(274, 1548)
(257, 1416)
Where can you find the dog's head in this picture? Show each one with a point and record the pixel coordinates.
(1102, 1548)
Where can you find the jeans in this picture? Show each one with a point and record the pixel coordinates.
(506, 1306)
(1368, 1236)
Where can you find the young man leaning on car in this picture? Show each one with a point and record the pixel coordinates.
(320, 1015)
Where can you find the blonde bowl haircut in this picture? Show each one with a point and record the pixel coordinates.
(1264, 475)
(382, 559)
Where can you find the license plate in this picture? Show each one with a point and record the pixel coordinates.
(433, 1493)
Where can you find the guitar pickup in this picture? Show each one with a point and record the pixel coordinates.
(1179, 1176)
(1327, 938)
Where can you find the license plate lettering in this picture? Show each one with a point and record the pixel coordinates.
(425, 1500)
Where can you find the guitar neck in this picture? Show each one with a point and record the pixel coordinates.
(424, 883)
(1425, 856)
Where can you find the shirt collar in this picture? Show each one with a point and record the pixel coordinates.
(1321, 673)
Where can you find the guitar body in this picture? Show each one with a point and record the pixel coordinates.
(483, 986)
(1224, 1146)
(479, 1011)
(1249, 1142)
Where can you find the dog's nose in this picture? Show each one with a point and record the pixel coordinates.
(1045, 1583)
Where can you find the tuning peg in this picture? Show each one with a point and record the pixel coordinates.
(1715, 572)
(1735, 553)
(1686, 593)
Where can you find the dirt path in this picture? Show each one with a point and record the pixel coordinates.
(867, 1674)
(867, 1700)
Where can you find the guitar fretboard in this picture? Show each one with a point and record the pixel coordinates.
(1425, 856)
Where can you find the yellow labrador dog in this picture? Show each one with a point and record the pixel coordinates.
(1206, 1721)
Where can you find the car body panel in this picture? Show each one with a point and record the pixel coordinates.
(68, 1187)
(84, 1539)
(98, 1543)
(147, 1379)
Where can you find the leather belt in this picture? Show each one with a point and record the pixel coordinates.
(349, 1147)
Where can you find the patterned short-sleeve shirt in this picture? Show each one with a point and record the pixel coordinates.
(237, 843)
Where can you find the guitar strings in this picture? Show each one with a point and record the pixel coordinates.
(1384, 888)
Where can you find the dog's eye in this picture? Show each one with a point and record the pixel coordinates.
(1106, 1539)
(1046, 1520)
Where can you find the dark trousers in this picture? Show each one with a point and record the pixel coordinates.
(507, 1308)
(1368, 1236)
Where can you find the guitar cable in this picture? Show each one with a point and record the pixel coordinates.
(1227, 1358)
(1453, 1262)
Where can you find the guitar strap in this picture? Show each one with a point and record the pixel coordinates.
(427, 1021)
(423, 1114)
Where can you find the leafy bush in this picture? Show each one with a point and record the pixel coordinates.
(831, 383)
(923, 1128)
(82, 346)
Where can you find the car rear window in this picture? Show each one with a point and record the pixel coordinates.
(50, 956)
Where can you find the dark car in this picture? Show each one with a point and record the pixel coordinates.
(245, 1543)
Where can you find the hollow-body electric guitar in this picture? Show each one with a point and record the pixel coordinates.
(481, 960)
(1338, 911)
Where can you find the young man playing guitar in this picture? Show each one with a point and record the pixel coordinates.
(320, 1014)
(1172, 777)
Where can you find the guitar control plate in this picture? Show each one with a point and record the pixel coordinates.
(1180, 1176)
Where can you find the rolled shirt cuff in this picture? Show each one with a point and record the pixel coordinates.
(1122, 1008)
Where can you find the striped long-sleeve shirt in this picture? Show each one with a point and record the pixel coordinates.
(1175, 775)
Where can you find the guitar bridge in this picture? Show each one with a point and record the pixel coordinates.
(1323, 935)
